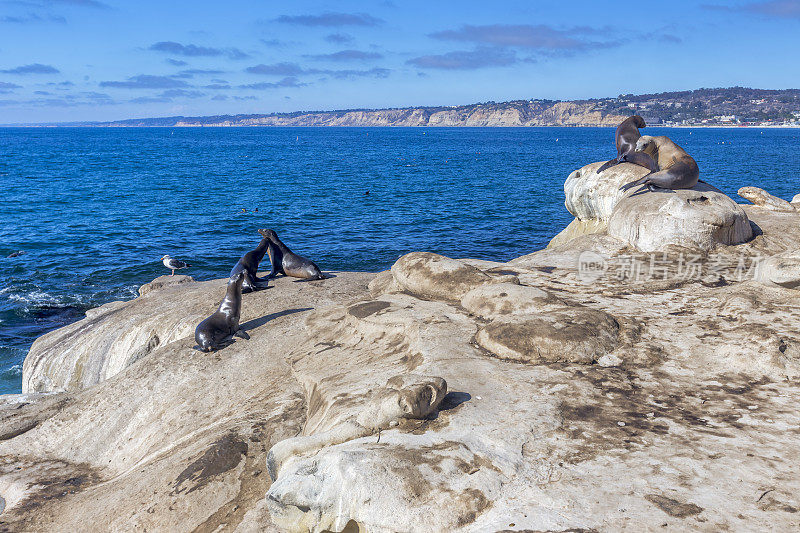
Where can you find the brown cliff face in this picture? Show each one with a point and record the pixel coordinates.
(512, 114)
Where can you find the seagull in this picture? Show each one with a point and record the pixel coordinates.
(173, 264)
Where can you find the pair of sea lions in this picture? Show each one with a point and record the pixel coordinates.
(676, 168)
(283, 260)
(669, 164)
(625, 137)
(213, 332)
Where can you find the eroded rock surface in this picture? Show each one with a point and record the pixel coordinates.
(434, 276)
(164, 281)
(701, 218)
(762, 198)
(781, 269)
(442, 395)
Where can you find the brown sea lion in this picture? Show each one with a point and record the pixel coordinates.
(625, 138)
(677, 169)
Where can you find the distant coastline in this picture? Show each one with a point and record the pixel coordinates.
(721, 108)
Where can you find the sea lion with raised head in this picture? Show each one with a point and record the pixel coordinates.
(288, 263)
(248, 264)
(625, 137)
(677, 169)
(212, 332)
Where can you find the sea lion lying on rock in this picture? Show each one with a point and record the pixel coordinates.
(212, 332)
(625, 137)
(404, 396)
(677, 169)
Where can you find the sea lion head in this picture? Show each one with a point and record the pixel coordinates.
(239, 276)
(638, 121)
(269, 234)
(646, 144)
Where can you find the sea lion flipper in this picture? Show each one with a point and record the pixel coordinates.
(608, 164)
(242, 334)
(643, 160)
(631, 185)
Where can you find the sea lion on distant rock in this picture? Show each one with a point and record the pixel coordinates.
(625, 138)
(224, 323)
(248, 264)
(677, 169)
(288, 263)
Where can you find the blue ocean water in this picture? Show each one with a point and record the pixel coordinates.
(95, 209)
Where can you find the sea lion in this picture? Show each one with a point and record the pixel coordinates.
(248, 264)
(625, 137)
(286, 262)
(211, 333)
(677, 169)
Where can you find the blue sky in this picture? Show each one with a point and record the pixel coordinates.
(63, 60)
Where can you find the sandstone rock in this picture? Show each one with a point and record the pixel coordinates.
(796, 199)
(404, 396)
(578, 228)
(699, 218)
(384, 283)
(592, 196)
(773, 232)
(569, 335)
(503, 299)
(781, 269)
(96, 348)
(434, 276)
(164, 281)
(695, 385)
(762, 198)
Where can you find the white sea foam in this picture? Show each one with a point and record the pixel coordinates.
(36, 297)
(14, 371)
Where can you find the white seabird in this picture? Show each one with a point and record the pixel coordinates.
(173, 264)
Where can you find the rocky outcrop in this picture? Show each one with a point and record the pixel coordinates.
(762, 198)
(592, 196)
(700, 218)
(441, 395)
(96, 348)
(162, 282)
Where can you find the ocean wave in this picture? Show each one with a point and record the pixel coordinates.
(13, 371)
(40, 298)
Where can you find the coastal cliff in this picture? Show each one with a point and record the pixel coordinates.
(526, 113)
(640, 373)
(702, 107)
